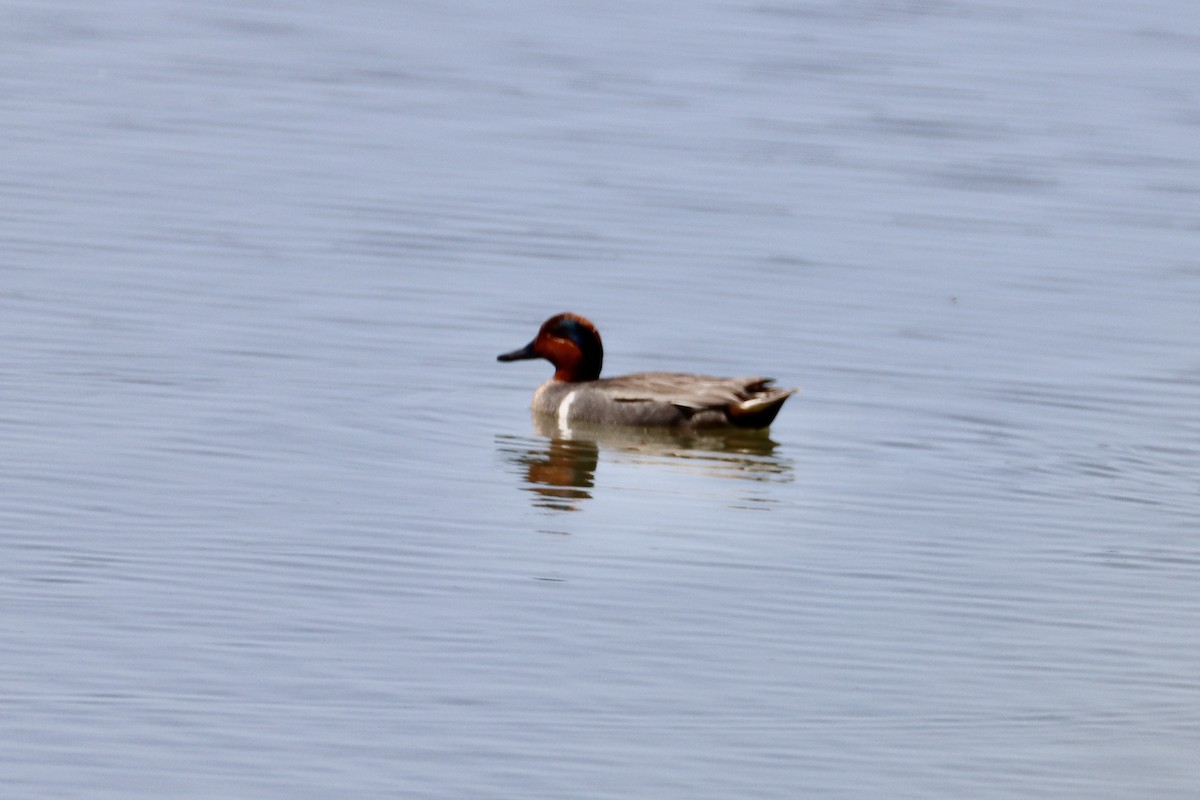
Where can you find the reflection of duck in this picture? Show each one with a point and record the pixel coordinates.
(720, 452)
(577, 393)
(561, 469)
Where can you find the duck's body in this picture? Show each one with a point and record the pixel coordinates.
(577, 393)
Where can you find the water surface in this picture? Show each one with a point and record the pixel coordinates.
(273, 522)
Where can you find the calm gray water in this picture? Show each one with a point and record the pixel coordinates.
(275, 524)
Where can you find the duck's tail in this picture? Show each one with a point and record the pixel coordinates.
(758, 411)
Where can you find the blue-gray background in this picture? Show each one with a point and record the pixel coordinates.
(274, 524)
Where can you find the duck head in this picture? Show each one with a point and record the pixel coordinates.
(570, 343)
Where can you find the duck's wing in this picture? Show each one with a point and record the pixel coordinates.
(688, 391)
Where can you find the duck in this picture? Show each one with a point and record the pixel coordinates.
(576, 394)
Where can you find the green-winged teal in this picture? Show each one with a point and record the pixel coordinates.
(577, 393)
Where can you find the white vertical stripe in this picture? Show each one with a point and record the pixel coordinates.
(564, 408)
